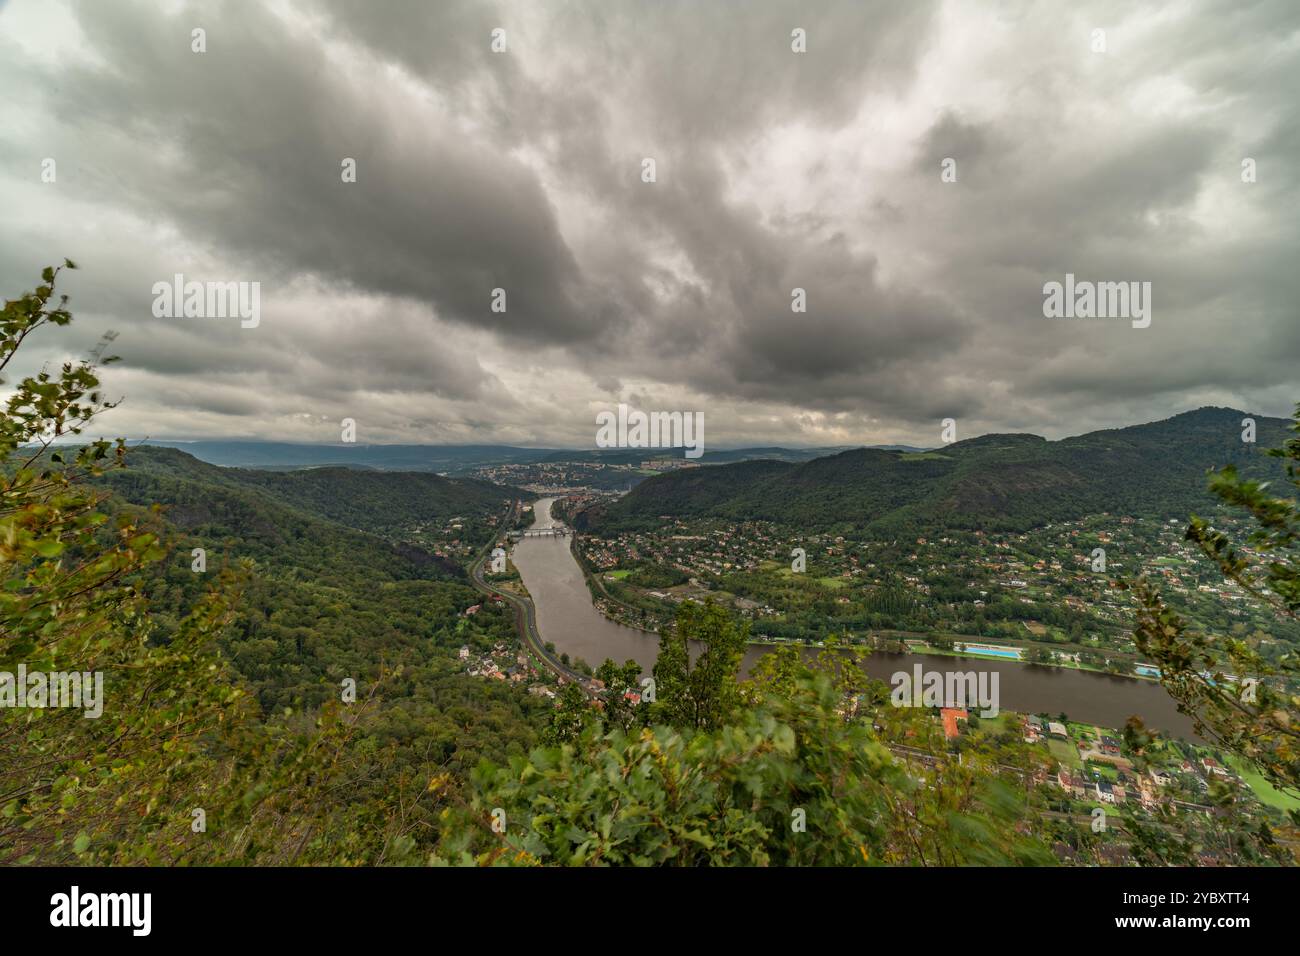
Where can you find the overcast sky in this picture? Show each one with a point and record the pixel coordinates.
(775, 170)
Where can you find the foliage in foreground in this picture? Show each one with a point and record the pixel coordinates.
(792, 781)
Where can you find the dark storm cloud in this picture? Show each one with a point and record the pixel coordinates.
(776, 171)
(698, 70)
(261, 124)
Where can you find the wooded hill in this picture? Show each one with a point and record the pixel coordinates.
(994, 482)
(325, 599)
(376, 501)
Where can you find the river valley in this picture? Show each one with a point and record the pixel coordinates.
(567, 618)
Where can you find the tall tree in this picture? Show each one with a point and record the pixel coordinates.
(624, 708)
(703, 694)
(573, 712)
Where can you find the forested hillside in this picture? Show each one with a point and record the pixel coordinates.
(1004, 482)
(320, 603)
(378, 501)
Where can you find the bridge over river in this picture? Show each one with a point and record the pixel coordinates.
(552, 532)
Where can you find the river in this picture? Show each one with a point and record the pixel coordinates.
(567, 618)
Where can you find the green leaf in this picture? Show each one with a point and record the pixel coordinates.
(49, 549)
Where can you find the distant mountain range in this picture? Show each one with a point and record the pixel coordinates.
(452, 459)
(1009, 482)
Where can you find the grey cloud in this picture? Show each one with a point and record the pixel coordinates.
(521, 171)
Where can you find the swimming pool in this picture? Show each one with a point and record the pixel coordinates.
(984, 650)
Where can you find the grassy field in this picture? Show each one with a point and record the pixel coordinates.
(1065, 753)
(1104, 770)
(1267, 793)
(618, 575)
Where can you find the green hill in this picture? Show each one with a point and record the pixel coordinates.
(994, 482)
(377, 501)
(322, 602)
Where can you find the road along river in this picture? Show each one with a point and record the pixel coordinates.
(567, 618)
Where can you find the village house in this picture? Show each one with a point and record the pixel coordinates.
(1213, 766)
(1161, 778)
(1071, 783)
(1033, 729)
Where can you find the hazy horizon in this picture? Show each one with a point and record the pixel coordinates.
(649, 452)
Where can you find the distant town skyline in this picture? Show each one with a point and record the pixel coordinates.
(444, 216)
